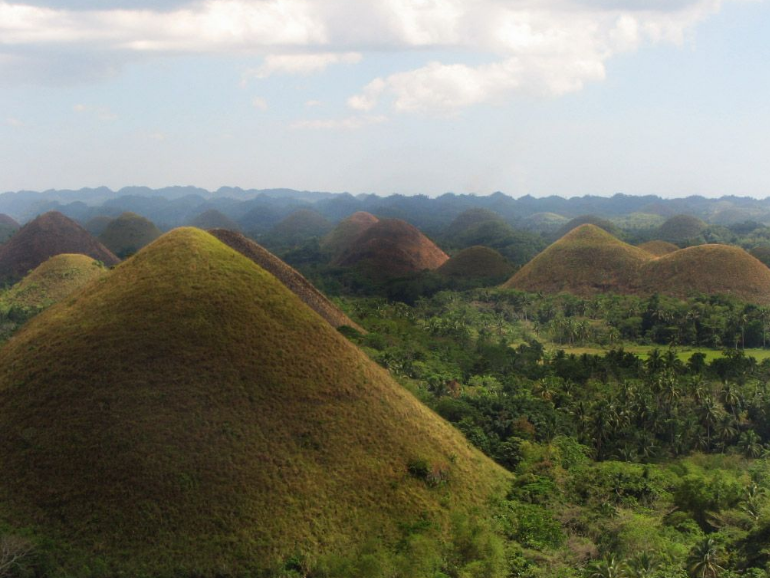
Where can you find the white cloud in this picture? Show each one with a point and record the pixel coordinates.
(157, 136)
(544, 47)
(313, 103)
(101, 113)
(80, 108)
(13, 121)
(349, 123)
(259, 103)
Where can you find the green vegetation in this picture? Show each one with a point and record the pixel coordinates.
(478, 263)
(681, 228)
(8, 227)
(128, 233)
(214, 219)
(300, 226)
(187, 415)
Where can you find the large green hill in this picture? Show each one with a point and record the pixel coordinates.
(188, 415)
(128, 233)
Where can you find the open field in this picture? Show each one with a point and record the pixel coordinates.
(643, 351)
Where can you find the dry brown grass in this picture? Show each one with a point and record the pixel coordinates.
(347, 231)
(658, 248)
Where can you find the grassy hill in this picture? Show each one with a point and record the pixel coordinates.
(762, 253)
(128, 233)
(709, 269)
(8, 227)
(54, 280)
(48, 235)
(477, 263)
(391, 248)
(470, 217)
(299, 226)
(96, 225)
(681, 228)
(586, 260)
(347, 231)
(286, 275)
(608, 226)
(235, 430)
(658, 248)
(213, 219)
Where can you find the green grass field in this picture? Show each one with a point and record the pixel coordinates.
(643, 351)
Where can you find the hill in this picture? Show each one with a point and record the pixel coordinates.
(589, 220)
(128, 233)
(709, 269)
(213, 219)
(240, 430)
(762, 253)
(658, 248)
(54, 280)
(287, 275)
(347, 231)
(391, 248)
(96, 225)
(471, 217)
(477, 263)
(48, 235)
(681, 228)
(585, 261)
(8, 227)
(545, 222)
(299, 226)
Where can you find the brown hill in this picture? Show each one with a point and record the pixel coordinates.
(391, 248)
(709, 269)
(48, 235)
(680, 228)
(658, 248)
(589, 220)
(287, 275)
(347, 231)
(477, 263)
(586, 260)
(188, 415)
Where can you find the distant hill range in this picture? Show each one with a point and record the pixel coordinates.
(255, 209)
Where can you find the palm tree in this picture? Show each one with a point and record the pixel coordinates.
(703, 560)
(607, 568)
(642, 565)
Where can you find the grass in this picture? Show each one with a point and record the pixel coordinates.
(187, 414)
(680, 228)
(477, 262)
(643, 351)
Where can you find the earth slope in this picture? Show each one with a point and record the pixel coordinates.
(658, 248)
(586, 260)
(48, 235)
(54, 280)
(393, 247)
(128, 233)
(477, 263)
(189, 415)
(287, 275)
(709, 269)
(347, 231)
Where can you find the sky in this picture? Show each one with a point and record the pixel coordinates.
(540, 97)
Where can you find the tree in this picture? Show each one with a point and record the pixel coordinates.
(703, 560)
(607, 568)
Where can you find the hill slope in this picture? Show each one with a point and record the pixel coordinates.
(477, 263)
(300, 225)
(585, 261)
(680, 228)
(8, 227)
(287, 275)
(128, 233)
(50, 234)
(347, 231)
(238, 429)
(471, 217)
(588, 220)
(54, 280)
(213, 219)
(98, 224)
(393, 247)
(658, 248)
(709, 269)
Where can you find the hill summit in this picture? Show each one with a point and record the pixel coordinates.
(586, 260)
(347, 231)
(128, 233)
(189, 415)
(287, 275)
(48, 235)
(392, 247)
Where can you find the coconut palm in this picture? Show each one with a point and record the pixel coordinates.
(703, 560)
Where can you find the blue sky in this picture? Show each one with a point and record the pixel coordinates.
(564, 97)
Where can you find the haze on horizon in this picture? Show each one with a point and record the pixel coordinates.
(555, 97)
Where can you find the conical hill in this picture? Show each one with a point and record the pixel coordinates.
(347, 231)
(658, 248)
(287, 275)
(48, 235)
(392, 247)
(188, 414)
(214, 219)
(128, 233)
(8, 227)
(477, 263)
(586, 260)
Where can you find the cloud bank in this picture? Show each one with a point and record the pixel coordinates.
(542, 48)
